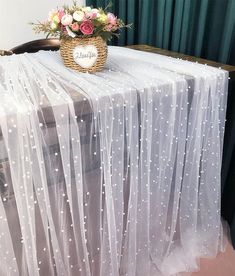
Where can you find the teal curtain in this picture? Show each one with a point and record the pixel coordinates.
(202, 28)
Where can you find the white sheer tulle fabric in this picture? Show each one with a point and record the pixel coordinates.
(113, 173)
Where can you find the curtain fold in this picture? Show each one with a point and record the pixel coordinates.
(228, 34)
(202, 28)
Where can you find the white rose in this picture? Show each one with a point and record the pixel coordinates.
(78, 15)
(70, 33)
(51, 15)
(86, 9)
(67, 19)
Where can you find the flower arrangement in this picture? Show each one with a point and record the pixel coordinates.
(81, 22)
(83, 32)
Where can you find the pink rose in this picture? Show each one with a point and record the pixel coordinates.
(75, 27)
(94, 15)
(112, 19)
(87, 28)
(109, 27)
(61, 14)
(91, 14)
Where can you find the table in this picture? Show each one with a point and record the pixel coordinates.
(116, 173)
(228, 163)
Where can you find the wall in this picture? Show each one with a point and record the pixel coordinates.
(16, 14)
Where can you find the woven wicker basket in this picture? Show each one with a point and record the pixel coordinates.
(84, 54)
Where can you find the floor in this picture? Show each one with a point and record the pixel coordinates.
(223, 265)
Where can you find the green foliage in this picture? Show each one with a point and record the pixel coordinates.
(99, 22)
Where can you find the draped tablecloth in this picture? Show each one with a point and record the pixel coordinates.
(113, 173)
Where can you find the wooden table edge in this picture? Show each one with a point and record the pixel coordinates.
(147, 48)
